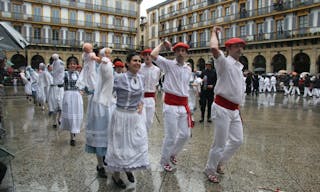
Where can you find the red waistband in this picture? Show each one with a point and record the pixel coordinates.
(149, 94)
(171, 99)
(226, 103)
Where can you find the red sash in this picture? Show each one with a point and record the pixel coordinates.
(150, 94)
(171, 99)
(226, 103)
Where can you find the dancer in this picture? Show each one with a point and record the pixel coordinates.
(99, 112)
(176, 113)
(56, 89)
(151, 74)
(127, 135)
(229, 93)
(72, 104)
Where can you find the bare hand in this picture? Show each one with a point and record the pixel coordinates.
(166, 44)
(140, 107)
(217, 29)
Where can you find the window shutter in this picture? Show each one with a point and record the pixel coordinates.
(248, 29)
(272, 26)
(311, 18)
(285, 27)
(9, 7)
(265, 27)
(24, 31)
(24, 9)
(294, 24)
(318, 23)
(30, 33)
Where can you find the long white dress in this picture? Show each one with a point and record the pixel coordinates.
(127, 135)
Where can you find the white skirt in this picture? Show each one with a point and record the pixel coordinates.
(56, 95)
(72, 112)
(127, 142)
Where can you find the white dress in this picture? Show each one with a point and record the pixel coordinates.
(127, 135)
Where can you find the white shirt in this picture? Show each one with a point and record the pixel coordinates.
(58, 72)
(273, 80)
(151, 77)
(177, 77)
(103, 89)
(230, 83)
(88, 74)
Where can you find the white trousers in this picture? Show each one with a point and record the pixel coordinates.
(176, 131)
(228, 136)
(287, 90)
(273, 87)
(149, 109)
(307, 92)
(294, 89)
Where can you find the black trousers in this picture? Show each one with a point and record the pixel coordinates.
(206, 100)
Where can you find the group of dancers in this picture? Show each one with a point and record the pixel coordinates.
(121, 105)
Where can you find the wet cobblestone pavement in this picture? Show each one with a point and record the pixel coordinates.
(280, 150)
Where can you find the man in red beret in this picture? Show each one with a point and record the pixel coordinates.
(176, 113)
(151, 75)
(229, 94)
(118, 67)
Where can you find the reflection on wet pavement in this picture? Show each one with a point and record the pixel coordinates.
(280, 150)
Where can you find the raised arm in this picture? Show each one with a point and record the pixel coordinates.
(214, 43)
(155, 52)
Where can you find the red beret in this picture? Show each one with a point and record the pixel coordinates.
(146, 51)
(118, 64)
(233, 41)
(180, 44)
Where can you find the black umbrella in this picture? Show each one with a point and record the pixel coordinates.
(10, 39)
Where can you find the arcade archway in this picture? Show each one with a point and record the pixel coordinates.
(301, 63)
(18, 60)
(244, 61)
(201, 64)
(279, 62)
(259, 64)
(36, 60)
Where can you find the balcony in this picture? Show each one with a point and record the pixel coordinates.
(65, 22)
(76, 43)
(89, 6)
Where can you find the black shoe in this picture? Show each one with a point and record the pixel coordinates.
(130, 177)
(201, 121)
(104, 158)
(73, 142)
(102, 172)
(119, 183)
(54, 125)
(209, 121)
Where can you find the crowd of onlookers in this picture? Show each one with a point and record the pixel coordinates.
(288, 83)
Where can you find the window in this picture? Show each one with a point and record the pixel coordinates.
(88, 37)
(190, 20)
(227, 11)
(153, 32)
(131, 23)
(55, 34)
(89, 20)
(303, 24)
(201, 16)
(280, 25)
(73, 17)
(153, 44)
(17, 11)
(118, 5)
(37, 14)
(72, 37)
(153, 18)
(243, 31)
(162, 11)
(228, 33)
(213, 15)
(55, 15)
(260, 31)
(202, 39)
(117, 22)
(103, 21)
(37, 34)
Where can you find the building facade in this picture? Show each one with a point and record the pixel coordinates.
(280, 34)
(62, 26)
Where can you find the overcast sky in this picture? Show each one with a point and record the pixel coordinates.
(147, 4)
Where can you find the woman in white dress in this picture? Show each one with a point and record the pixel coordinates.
(72, 104)
(99, 113)
(127, 136)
